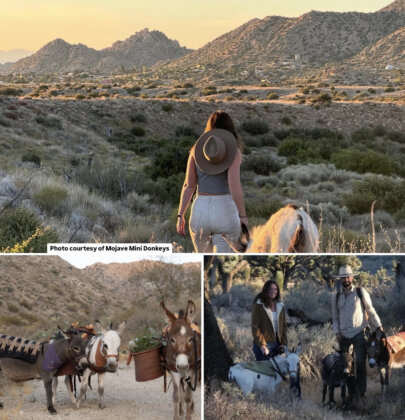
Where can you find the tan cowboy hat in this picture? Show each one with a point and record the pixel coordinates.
(346, 271)
(215, 151)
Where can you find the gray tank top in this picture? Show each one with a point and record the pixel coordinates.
(212, 184)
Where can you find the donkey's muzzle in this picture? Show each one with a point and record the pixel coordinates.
(371, 362)
(182, 362)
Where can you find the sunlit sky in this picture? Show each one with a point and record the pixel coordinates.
(30, 24)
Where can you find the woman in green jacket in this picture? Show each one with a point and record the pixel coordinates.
(269, 327)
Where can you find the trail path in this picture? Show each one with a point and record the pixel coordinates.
(123, 396)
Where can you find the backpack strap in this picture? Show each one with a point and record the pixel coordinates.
(360, 295)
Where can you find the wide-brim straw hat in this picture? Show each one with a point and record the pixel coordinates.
(215, 151)
(346, 271)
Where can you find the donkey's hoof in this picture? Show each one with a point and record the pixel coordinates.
(331, 404)
(101, 406)
(1, 405)
(52, 410)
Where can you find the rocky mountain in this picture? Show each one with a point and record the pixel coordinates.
(144, 48)
(37, 293)
(314, 38)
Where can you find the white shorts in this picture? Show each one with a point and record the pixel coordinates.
(212, 216)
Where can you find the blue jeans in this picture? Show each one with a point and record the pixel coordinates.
(258, 352)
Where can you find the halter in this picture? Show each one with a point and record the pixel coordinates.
(93, 367)
(277, 368)
(167, 366)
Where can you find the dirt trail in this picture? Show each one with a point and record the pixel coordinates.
(123, 396)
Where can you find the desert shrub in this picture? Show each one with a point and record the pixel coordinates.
(272, 95)
(209, 90)
(263, 209)
(168, 161)
(389, 193)
(10, 91)
(185, 130)
(371, 90)
(306, 149)
(50, 121)
(51, 198)
(112, 180)
(31, 156)
(4, 121)
(389, 89)
(11, 115)
(164, 190)
(16, 225)
(12, 308)
(397, 136)
(167, 107)
(138, 203)
(133, 90)
(323, 98)
(138, 117)
(80, 96)
(137, 130)
(268, 140)
(379, 131)
(363, 134)
(362, 162)
(286, 120)
(53, 92)
(255, 127)
(260, 164)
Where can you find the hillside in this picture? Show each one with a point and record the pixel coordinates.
(314, 38)
(144, 48)
(39, 292)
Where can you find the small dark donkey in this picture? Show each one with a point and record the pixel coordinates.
(336, 368)
(23, 360)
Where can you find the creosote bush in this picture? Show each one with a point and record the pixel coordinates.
(255, 127)
(260, 164)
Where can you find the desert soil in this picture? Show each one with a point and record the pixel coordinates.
(123, 396)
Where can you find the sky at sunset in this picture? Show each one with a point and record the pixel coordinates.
(30, 24)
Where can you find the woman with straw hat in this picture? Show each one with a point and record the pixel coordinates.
(213, 168)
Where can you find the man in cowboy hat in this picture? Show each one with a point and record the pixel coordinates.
(351, 310)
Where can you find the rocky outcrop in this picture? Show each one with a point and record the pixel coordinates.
(144, 48)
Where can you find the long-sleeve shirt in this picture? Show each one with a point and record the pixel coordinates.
(348, 316)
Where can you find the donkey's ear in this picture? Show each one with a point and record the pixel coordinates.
(121, 327)
(169, 315)
(350, 349)
(100, 326)
(367, 330)
(298, 349)
(190, 311)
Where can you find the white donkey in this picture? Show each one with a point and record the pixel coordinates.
(102, 356)
(291, 229)
(249, 380)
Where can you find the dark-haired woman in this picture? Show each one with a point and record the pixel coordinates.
(269, 327)
(214, 168)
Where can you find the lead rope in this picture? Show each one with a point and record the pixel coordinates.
(277, 369)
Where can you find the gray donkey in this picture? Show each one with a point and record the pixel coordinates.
(336, 368)
(23, 360)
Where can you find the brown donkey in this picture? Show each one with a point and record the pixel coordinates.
(181, 357)
(386, 353)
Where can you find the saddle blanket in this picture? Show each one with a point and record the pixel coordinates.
(19, 348)
(397, 342)
(51, 360)
(264, 367)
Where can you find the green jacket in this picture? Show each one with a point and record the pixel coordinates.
(262, 327)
